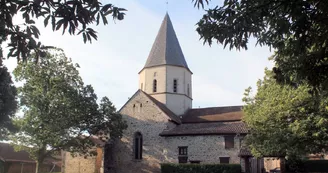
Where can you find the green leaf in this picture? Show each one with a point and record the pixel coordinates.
(108, 12)
(35, 30)
(104, 18)
(84, 37)
(53, 22)
(46, 20)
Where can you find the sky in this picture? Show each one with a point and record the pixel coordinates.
(111, 64)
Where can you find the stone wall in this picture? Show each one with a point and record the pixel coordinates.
(150, 121)
(271, 163)
(81, 164)
(165, 75)
(207, 149)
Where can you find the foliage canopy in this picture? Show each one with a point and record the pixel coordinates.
(72, 16)
(8, 102)
(297, 30)
(285, 120)
(60, 112)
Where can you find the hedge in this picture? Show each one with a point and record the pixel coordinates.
(307, 166)
(200, 168)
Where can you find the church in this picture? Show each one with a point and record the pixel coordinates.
(163, 127)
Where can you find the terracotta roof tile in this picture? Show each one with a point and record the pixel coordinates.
(212, 128)
(214, 114)
(96, 140)
(7, 153)
(245, 152)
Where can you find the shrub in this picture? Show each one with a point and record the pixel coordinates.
(307, 166)
(200, 168)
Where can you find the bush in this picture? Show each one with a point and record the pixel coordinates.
(307, 166)
(200, 168)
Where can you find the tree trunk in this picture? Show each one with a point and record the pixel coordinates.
(37, 167)
(41, 155)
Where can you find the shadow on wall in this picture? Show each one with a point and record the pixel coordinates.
(153, 152)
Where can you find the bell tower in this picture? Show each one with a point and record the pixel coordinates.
(166, 75)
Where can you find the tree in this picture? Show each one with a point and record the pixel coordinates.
(297, 30)
(8, 102)
(73, 16)
(60, 112)
(285, 120)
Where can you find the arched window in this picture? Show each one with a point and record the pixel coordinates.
(137, 146)
(155, 85)
(140, 108)
(175, 85)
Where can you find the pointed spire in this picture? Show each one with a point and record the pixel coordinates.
(166, 49)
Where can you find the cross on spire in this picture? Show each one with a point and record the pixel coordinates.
(167, 5)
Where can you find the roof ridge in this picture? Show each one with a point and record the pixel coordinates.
(129, 100)
(217, 107)
(164, 109)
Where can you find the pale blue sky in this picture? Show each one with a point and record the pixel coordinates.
(112, 63)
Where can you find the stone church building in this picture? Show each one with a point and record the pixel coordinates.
(162, 125)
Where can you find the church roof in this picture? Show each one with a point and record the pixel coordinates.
(210, 121)
(166, 49)
(166, 110)
(213, 128)
(213, 114)
(160, 105)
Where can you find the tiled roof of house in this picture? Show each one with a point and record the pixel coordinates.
(7, 153)
(166, 49)
(166, 110)
(244, 152)
(214, 114)
(96, 140)
(208, 128)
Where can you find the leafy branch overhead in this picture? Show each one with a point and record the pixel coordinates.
(297, 30)
(72, 16)
(199, 3)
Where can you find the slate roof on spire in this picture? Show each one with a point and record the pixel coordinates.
(166, 49)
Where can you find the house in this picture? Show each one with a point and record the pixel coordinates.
(163, 127)
(20, 162)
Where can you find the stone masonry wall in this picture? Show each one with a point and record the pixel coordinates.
(207, 149)
(143, 116)
(80, 164)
